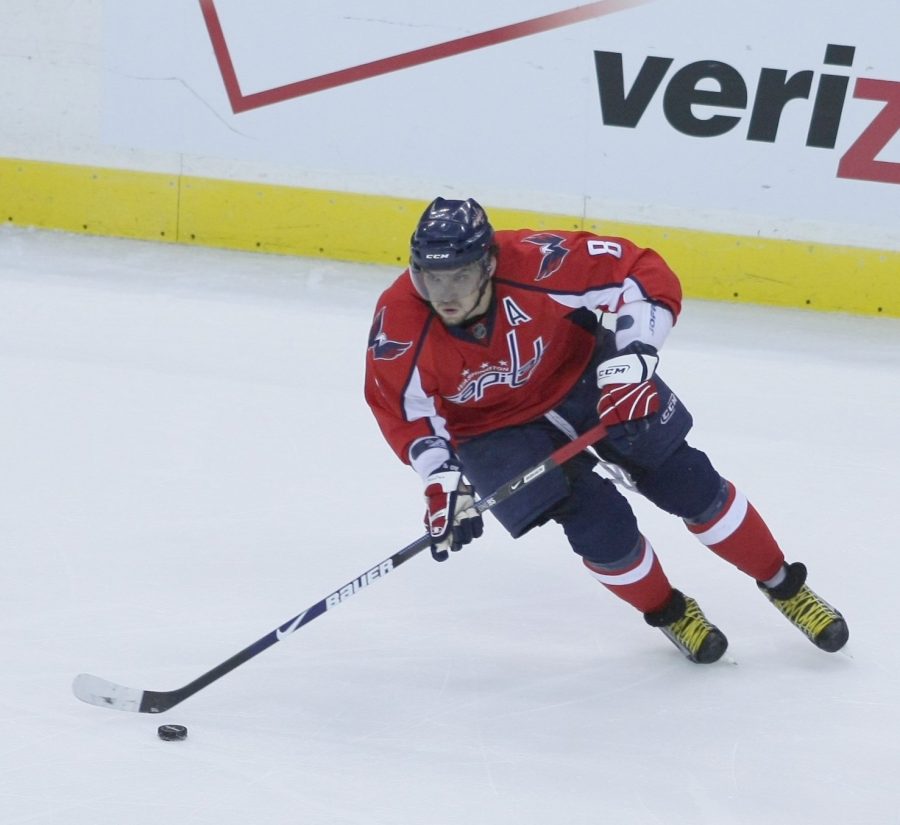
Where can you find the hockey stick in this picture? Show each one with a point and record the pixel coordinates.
(97, 691)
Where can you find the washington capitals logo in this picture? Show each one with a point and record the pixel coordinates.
(553, 251)
(382, 347)
(507, 373)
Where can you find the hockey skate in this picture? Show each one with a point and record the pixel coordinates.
(824, 626)
(683, 623)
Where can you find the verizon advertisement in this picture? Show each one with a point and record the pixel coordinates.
(772, 119)
(685, 93)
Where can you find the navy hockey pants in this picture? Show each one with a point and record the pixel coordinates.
(597, 519)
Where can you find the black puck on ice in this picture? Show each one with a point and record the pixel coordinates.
(172, 733)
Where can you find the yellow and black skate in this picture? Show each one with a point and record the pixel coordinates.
(824, 626)
(683, 623)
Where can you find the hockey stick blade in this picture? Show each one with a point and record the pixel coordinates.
(106, 694)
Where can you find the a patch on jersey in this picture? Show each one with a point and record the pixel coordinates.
(552, 250)
(514, 313)
(382, 347)
(479, 331)
(512, 373)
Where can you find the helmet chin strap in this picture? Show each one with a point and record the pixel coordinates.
(475, 312)
(485, 283)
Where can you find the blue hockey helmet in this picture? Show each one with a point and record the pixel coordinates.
(450, 235)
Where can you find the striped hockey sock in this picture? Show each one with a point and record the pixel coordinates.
(641, 581)
(734, 530)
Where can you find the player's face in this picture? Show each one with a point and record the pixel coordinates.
(456, 294)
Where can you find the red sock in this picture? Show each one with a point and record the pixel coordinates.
(738, 534)
(643, 584)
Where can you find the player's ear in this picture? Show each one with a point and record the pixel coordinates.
(492, 265)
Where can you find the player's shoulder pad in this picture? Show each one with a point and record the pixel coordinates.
(542, 258)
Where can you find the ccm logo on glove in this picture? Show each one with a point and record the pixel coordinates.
(628, 393)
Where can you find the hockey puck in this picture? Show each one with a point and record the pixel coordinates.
(172, 733)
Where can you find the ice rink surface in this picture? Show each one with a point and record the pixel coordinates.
(186, 462)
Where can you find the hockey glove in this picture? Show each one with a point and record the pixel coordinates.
(450, 516)
(628, 393)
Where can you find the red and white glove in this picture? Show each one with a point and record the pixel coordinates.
(628, 393)
(450, 516)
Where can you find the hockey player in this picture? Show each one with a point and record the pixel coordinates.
(487, 354)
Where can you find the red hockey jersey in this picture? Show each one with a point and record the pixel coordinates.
(424, 378)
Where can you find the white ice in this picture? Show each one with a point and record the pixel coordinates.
(186, 462)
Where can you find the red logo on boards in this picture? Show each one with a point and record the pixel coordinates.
(621, 107)
(241, 102)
